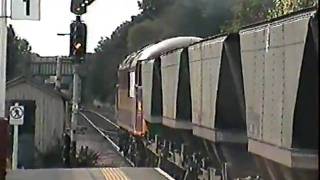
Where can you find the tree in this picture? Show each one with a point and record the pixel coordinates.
(143, 34)
(162, 19)
(200, 18)
(246, 12)
(250, 11)
(18, 55)
(159, 20)
(283, 7)
(153, 8)
(102, 74)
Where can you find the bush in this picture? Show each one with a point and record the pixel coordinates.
(87, 157)
(52, 158)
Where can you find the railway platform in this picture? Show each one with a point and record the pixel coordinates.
(124, 173)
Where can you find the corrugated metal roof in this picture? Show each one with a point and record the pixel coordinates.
(154, 50)
(42, 87)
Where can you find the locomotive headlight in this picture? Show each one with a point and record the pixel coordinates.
(78, 45)
(139, 106)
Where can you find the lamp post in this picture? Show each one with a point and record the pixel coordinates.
(3, 56)
(3, 122)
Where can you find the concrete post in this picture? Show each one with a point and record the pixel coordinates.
(75, 107)
(226, 170)
(182, 152)
(3, 62)
(3, 56)
(15, 147)
(58, 74)
(211, 173)
(156, 143)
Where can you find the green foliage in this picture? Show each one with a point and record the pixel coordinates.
(101, 79)
(86, 157)
(250, 11)
(159, 19)
(283, 7)
(246, 12)
(154, 7)
(182, 18)
(18, 55)
(52, 158)
(143, 34)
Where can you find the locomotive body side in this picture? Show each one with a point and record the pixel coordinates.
(130, 90)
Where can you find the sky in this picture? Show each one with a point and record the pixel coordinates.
(102, 18)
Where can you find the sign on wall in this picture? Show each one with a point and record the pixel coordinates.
(25, 10)
(16, 114)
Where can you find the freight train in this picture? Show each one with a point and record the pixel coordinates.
(239, 105)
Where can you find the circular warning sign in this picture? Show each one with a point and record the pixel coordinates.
(16, 112)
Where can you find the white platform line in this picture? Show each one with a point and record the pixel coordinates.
(166, 175)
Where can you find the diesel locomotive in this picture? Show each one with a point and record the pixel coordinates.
(230, 106)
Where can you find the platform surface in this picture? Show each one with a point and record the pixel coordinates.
(90, 174)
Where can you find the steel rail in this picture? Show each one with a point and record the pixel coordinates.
(107, 138)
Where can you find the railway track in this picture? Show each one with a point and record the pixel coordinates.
(106, 128)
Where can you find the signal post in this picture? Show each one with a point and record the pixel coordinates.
(78, 40)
